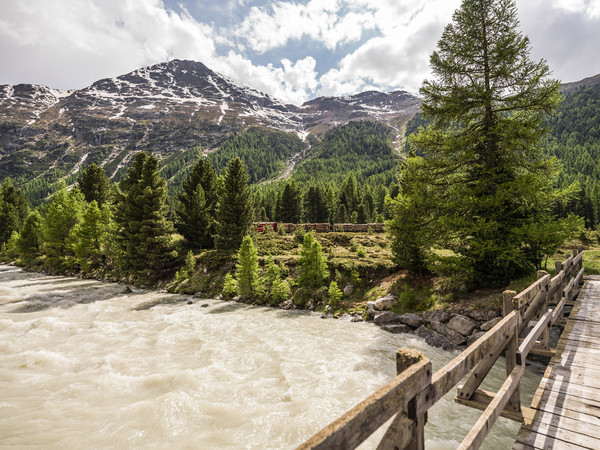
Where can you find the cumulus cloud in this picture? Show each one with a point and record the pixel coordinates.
(272, 26)
(361, 44)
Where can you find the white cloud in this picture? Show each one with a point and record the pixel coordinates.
(72, 43)
(291, 83)
(399, 58)
(271, 27)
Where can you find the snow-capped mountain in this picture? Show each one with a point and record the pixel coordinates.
(166, 108)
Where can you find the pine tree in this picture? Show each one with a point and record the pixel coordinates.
(235, 207)
(247, 268)
(14, 208)
(144, 234)
(312, 264)
(486, 105)
(95, 185)
(314, 206)
(290, 204)
(197, 206)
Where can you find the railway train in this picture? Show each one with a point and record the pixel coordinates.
(321, 227)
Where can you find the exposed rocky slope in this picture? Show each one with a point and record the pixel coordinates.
(166, 109)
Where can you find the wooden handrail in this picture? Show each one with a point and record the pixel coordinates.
(415, 390)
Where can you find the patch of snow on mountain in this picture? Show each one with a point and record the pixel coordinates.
(224, 108)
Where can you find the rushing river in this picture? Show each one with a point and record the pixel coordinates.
(85, 365)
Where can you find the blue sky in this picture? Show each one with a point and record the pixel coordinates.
(293, 50)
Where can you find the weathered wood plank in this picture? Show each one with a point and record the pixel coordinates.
(481, 399)
(449, 375)
(562, 404)
(361, 421)
(563, 421)
(538, 441)
(529, 341)
(480, 430)
(545, 430)
(526, 295)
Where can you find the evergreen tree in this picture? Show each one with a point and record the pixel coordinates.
(290, 206)
(314, 206)
(247, 268)
(411, 229)
(29, 242)
(95, 185)
(61, 215)
(312, 264)
(486, 105)
(235, 207)
(14, 208)
(341, 215)
(144, 234)
(89, 238)
(197, 206)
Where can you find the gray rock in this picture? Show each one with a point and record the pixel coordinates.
(412, 320)
(555, 333)
(189, 302)
(397, 328)
(454, 337)
(434, 339)
(127, 290)
(462, 325)
(483, 314)
(198, 295)
(487, 326)
(437, 315)
(237, 298)
(219, 297)
(385, 303)
(288, 304)
(371, 304)
(204, 305)
(348, 289)
(346, 316)
(357, 318)
(371, 313)
(387, 317)
(474, 337)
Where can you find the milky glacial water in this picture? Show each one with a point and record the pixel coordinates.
(83, 365)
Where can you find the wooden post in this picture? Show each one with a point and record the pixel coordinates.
(396, 436)
(510, 353)
(406, 358)
(545, 337)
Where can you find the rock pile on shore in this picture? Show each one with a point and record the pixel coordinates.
(437, 327)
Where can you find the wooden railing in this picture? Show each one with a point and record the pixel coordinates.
(415, 389)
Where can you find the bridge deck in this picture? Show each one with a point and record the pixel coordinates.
(565, 411)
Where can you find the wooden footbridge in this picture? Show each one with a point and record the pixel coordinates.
(565, 411)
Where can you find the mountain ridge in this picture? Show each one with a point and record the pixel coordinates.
(164, 109)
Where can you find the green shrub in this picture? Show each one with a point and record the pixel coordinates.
(361, 252)
(280, 291)
(334, 294)
(230, 287)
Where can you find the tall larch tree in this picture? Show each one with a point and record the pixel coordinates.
(486, 104)
(235, 208)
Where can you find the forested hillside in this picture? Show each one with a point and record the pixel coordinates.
(575, 141)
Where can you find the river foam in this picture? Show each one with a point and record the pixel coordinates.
(84, 365)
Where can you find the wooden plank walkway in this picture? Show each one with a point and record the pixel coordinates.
(565, 411)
